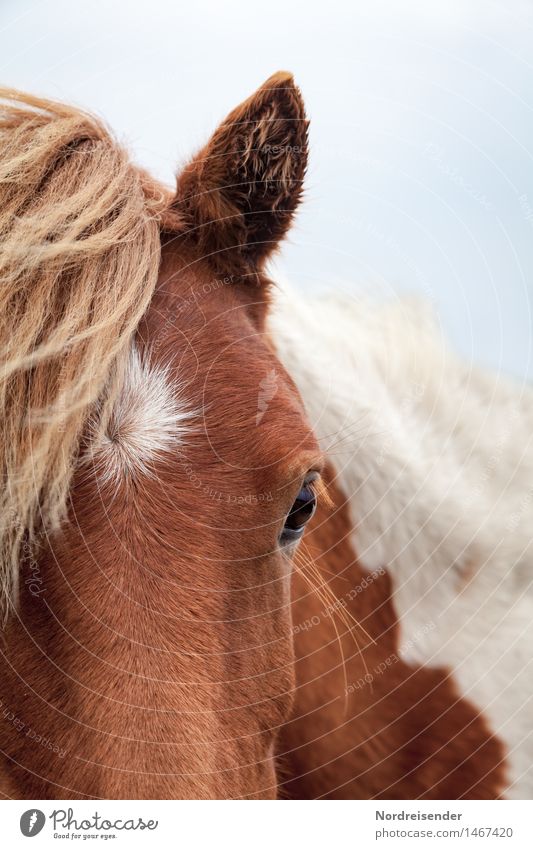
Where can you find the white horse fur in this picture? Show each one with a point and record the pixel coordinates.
(436, 458)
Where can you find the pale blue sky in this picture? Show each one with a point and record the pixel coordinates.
(421, 174)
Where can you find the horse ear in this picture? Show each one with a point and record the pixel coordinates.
(239, 194)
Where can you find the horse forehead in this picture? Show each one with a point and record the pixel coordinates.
(150, 419)
(212, 334)
(215, 343)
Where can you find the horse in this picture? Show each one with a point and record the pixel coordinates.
(244, 554)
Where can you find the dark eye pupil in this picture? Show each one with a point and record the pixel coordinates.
(300, 513)
(302, 509)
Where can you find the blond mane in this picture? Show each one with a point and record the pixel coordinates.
(79, 258)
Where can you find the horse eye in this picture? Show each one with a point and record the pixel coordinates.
(299, 514)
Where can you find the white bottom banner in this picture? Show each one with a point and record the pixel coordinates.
(264, 825)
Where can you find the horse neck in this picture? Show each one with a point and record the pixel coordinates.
(397, 414)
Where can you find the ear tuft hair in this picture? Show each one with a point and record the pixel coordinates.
(239, 195)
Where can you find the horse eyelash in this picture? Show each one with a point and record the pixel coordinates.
(321, 492)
